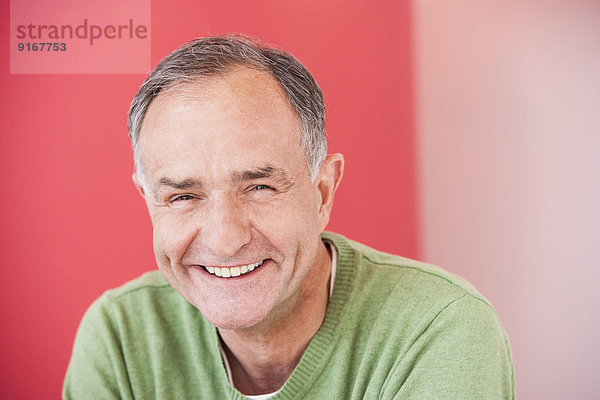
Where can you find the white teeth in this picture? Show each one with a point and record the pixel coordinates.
(225, 272)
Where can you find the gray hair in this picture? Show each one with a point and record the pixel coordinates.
(216, 56)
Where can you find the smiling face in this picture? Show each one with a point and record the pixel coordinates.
(228, 191)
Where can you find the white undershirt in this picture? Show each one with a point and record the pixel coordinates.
(226, 362)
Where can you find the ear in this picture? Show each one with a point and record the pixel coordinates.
(330, 176)
(138, 184)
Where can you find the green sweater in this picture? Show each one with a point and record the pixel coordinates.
(394, 329)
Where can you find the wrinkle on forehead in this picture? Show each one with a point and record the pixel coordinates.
(243, 95)
(236, 87)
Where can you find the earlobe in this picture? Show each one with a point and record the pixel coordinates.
(138, 184)
(330, 177)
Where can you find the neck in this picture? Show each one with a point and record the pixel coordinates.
(261, 360)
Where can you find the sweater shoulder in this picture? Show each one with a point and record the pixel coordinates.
(148, 281)
(397, 268)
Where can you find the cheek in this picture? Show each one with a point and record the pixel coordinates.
(287, 221)
(172, 235)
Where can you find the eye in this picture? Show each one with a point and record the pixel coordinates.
(261, 187)
(182, 197)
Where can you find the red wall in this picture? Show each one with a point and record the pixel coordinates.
(72, 224)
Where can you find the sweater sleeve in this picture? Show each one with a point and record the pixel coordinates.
(97, 368)
(463, 354)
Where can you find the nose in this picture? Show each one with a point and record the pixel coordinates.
(225, 227)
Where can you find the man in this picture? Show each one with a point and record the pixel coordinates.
(253, 298)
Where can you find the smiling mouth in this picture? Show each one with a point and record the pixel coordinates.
(230, 272)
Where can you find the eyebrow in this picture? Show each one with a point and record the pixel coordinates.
(184, 184)
(257, 173)
(277, 174)
(268, 171)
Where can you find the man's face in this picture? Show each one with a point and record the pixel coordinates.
(228, 192)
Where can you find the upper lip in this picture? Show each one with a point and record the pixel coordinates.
(231, 265)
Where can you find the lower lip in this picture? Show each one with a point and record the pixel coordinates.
(266, 263)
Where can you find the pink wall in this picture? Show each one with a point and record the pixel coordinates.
(508, 122)
(72, 223)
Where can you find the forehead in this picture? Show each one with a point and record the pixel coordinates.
(227, 121)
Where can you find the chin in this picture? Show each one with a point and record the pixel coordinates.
(230, 315)
(243, 319)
